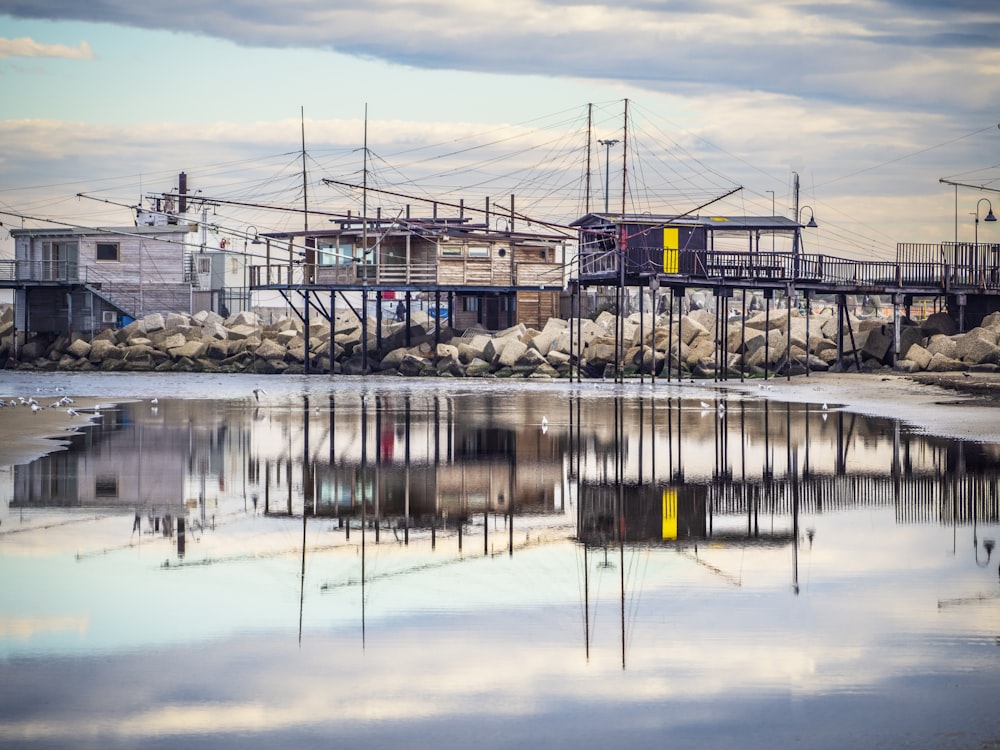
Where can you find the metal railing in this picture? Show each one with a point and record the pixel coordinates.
(945, 267)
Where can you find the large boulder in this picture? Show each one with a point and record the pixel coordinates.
(939, 323)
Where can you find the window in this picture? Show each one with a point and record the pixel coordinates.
(339, 254)
(470, 304)
(479, 251)
(451, 251)
(107, 251)
(106, 487)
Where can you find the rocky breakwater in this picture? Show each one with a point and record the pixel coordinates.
(694, 345)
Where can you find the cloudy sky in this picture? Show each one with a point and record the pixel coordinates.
(870, 102)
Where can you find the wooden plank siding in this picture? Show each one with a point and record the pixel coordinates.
(535, 308)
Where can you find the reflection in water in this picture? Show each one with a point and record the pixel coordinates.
(664, 471)
(473, 499)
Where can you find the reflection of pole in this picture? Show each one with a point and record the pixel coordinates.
(364, 504)
(306, 471)
(586, 602)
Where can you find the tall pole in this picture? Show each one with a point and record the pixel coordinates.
(590, 120)
(305, 182)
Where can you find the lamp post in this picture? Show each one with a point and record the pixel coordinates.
(245, 292)
(772, 214)
(811, 224)
(607, 143)
(989, 216)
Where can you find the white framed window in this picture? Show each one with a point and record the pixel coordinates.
(479, 251)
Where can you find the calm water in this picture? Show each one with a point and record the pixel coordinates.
(384, 562)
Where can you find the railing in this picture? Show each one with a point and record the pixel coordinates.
(471, 273)
(945, 267)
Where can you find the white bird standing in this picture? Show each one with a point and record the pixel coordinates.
(545, 425)
(155, 401)
(35, 408)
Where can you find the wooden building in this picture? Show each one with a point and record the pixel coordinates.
(483, 276)
(76, 280)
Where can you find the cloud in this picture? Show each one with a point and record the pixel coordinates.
(874, 52)
(25, 47)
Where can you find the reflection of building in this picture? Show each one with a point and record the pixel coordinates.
(402, 457)
(119, 461)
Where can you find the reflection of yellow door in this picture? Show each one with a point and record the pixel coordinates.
(671, 245)
(669, 514)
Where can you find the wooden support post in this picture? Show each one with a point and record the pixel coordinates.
(789, 291)
(306, 348)
(743, 338)
(364, 331)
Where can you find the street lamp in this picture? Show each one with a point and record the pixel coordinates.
(989, 216)
(245, 291)
(772, 214)
(812, 220)
(608, 143)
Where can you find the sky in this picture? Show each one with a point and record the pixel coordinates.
(871, 103)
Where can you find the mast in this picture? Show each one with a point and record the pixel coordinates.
(624, 161)
(590, 145)
(364, 192)
(305, 184)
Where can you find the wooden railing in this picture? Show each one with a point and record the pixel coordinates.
(473, 273)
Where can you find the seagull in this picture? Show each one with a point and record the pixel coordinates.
(825, 407)
(155, 401)
(73, 412)
(545, 425)
(35, 408)
(257, 393)
(66, 400)
(705, 405)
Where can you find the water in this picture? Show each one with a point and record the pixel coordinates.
(379, 562)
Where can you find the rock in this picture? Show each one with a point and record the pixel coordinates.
(939, 323)
(152, 322)
(189, 349)
(944, 345)
(102, 350)
(244, 318)
(270, 350)
(512, 351)
(941, 363)
(878, 345)
(919, 356)
(79, 349)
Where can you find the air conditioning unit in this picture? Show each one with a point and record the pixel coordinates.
(109, 316)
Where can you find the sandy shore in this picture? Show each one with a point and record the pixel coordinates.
(947, 404)
(25, 434)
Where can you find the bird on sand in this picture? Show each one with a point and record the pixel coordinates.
(257, 392)
(35, 408)
(155, 401)
(545, 425)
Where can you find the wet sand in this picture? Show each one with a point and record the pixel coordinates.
(946, 404)
(25, 434)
